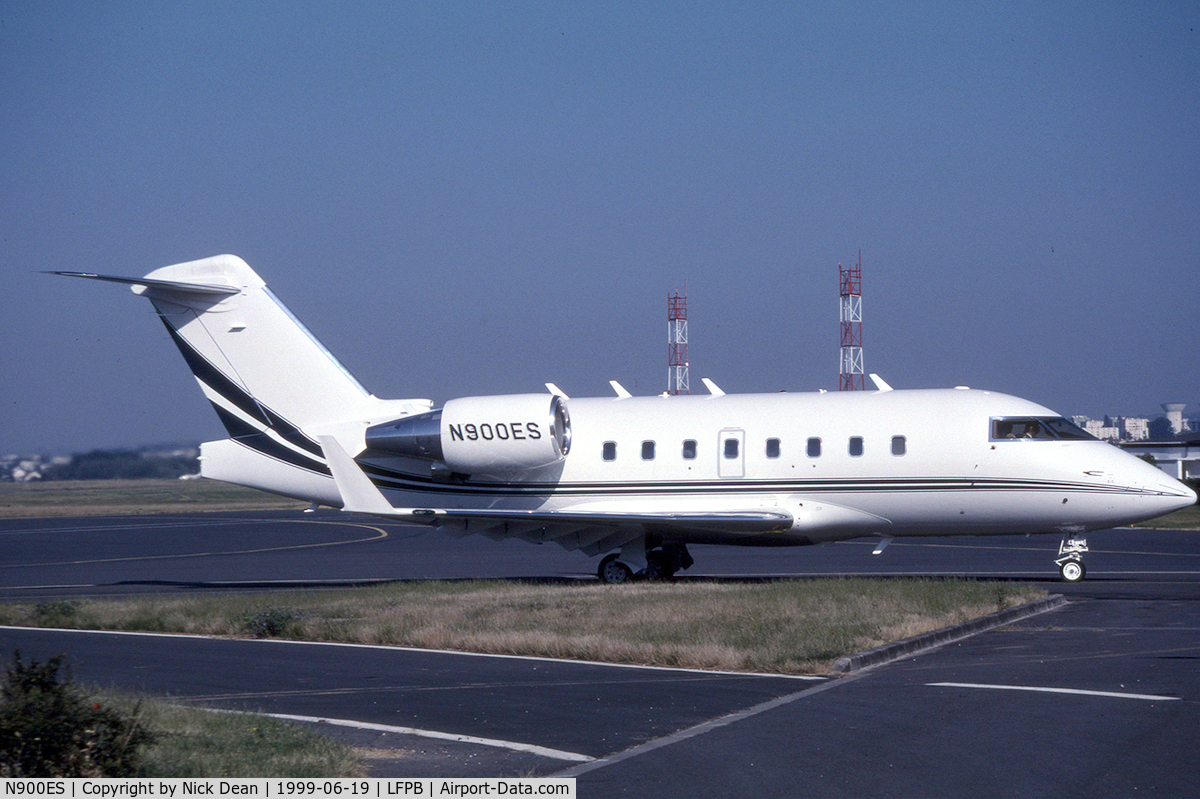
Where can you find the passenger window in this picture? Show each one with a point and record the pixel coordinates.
(689, 450)
(731, 448)
(814, 448)
(647, 450)
(772, 447)
(856, 446)
(899, 445)
(610, 450)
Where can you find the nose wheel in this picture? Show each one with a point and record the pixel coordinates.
(1070, 559)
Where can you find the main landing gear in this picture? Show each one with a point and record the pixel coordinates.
(1070, 560)
(661, 564)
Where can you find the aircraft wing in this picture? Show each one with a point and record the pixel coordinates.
(574, 529)
(729, 521)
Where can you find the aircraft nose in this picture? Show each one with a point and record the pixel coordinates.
(1175, 495)
(1189, 497)
(1164, 492)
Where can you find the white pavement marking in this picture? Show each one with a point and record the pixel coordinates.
(443, 736)
(706, 727)
(1044, 690)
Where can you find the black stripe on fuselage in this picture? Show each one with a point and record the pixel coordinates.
(399, 481)
(261, 442)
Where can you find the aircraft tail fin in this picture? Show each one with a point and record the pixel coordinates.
(269, 379)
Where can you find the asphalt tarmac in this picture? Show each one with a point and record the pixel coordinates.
(54, 558)
(1098, 698)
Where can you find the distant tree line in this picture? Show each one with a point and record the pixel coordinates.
(121, 464)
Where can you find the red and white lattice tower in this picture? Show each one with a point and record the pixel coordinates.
(852, 353)
(677, 344)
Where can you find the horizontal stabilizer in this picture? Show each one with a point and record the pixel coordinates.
(169, 285)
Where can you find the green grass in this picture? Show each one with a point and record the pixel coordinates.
(193, 742)
(787, 626)
(1186, 519)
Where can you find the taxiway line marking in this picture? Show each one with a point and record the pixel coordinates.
(515, 746)
(1046, 690)
(380, 533)
(706, 727)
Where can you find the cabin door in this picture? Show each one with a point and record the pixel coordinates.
(731, 453)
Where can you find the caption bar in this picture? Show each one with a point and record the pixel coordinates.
(116, 788)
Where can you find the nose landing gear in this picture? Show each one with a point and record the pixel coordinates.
(1070, 560)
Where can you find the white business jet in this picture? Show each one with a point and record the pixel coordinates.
(639, 478)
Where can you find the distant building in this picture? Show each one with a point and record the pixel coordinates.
(1102, 430)
(1178, 457)
(19, 469)
(1134, 428)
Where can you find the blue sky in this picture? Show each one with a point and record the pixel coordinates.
(473, 198)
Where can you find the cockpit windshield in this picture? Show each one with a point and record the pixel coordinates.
(1040, 428)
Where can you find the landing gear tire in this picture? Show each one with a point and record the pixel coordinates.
(613, 571)
(1072, 571)
(1070, 560)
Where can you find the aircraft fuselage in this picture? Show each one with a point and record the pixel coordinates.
(906, 462)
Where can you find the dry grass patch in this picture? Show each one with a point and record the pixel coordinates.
(791, 626)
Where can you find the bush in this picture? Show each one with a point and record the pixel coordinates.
(55, 613)
(272, 622)
(49, 729)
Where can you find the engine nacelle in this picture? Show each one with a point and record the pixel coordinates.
(482, 435)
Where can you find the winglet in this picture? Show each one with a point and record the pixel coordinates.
(619, 389)
(712, 387)
(553, 389)
(359, 494)
(879, 384)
